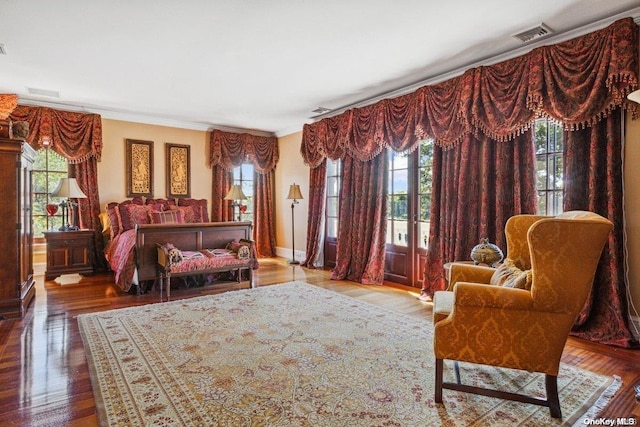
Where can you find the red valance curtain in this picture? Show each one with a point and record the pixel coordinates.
(228, 150)
(78, 138)
(75, 136)
(577, 82)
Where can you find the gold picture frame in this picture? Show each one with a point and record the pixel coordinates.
(139, 164)
(178, 170)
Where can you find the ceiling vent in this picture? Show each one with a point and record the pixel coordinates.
(43, 92)
(321, 110)
(2, 51)
(537, 32)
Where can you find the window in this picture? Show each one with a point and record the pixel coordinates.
(401, 194)
(333, 197)
(48, 168)
(425, 182)
(243, 175)
(410, 180)
(549, 166)
(398, 199)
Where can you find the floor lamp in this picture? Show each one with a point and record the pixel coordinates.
(295, 195)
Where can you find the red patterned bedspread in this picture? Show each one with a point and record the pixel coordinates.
(121, 256)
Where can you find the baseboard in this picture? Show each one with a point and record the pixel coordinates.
(287, 254)
(39, 268)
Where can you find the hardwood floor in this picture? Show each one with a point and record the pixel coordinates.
(45, 379)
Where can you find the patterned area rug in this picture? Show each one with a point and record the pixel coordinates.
(297, 355)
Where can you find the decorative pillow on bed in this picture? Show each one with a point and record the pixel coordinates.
(166, 217)
(510, 276)
(133, 214)
(119, 216)
(114, 219)
(160, 204)
(188, 216)
(199, 206)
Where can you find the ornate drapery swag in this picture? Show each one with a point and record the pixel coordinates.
(8, 103)
(229, 150)
(576, 83)
(75, 136)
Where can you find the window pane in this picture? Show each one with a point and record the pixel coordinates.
(426, 180)
(400, 161)
(558, 139)
(542, 202)
(423, 234)
(424, 201)
(401, 235)
(426, 153)
(332, 227)
(332, 207)
(558, 173)
(331, 197)
(541, 173)
(332, 186)
(400, 208)
(400, 183)
(332, 168)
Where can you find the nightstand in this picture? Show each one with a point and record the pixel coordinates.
(69, 252)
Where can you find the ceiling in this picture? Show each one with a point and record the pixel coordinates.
(260, 66)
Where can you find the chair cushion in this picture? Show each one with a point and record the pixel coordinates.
(508, 275)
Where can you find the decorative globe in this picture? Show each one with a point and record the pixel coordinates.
(486, 253)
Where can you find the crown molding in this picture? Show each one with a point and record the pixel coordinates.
(134, 117)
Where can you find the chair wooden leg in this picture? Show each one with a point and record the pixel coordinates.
(438, 391)
(551, 383)
(456, 368)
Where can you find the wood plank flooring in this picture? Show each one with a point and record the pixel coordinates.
(44, 378)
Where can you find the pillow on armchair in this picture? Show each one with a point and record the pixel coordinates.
(510, 276)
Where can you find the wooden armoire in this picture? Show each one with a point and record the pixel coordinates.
(16, 227)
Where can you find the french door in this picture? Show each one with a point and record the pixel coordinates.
(408, 214)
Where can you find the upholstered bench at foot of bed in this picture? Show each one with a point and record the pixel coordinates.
(199, 262)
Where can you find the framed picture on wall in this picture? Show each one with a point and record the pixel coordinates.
(139, 164)
(178, 170)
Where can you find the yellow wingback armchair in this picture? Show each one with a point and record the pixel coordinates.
(521, 328)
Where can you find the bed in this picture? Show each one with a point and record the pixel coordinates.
(134, 236)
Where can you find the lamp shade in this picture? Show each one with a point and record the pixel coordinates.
(68, 187)
(634, 96)
(235, 193)
(294, 192)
